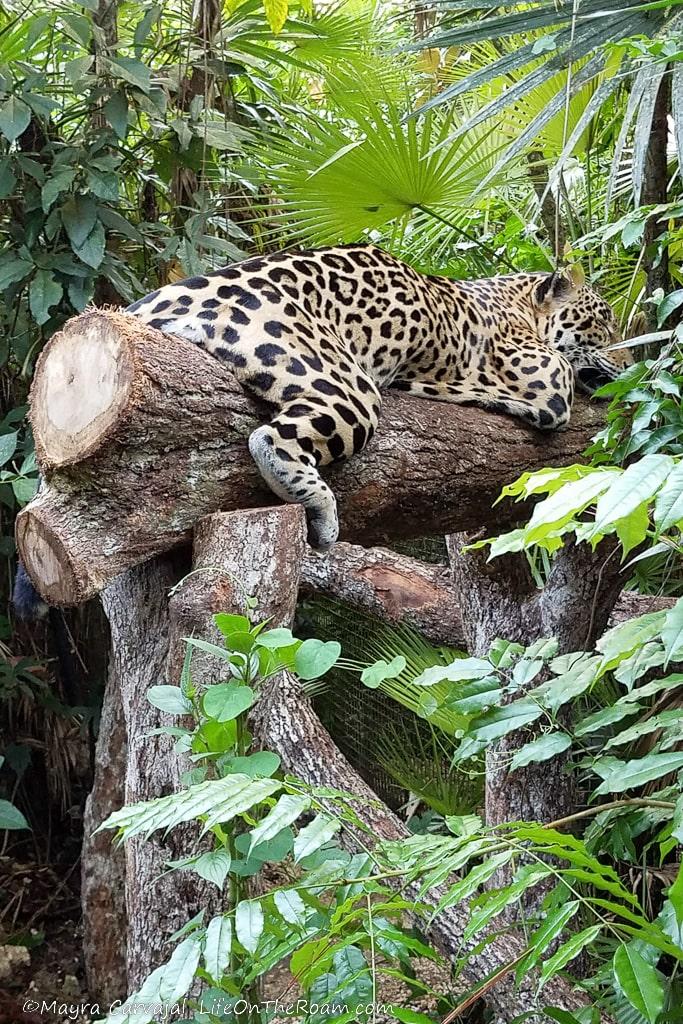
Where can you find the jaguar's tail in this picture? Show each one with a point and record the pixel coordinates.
(28, 604)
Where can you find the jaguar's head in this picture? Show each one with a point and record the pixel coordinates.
(574, 319)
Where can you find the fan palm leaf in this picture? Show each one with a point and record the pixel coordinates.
(338, 180)
(582, 37)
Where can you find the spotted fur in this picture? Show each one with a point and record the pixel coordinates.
(320, 334)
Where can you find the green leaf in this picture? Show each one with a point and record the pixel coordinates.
(460, 670)
(284, 813)
(274, 638)
(116, 112)
(669, 500)
(619, 776)
(229, 624)
(11, 817)
(170, 699)
(15, 117)
(132, 71)
(554, 924)
(249, 924)
(226, 701)
(92, 250)
(213, 866)
(542, 749)
(8, 446)
(276, 13)
(672, 633)
(314, 658)
(180, 970)
(669, 305)
(13, 270)
(262, 763)
(24, 489)
(60, 181)
(219, 800)
(632, 530)
(639, 483)
(315, 835)
(76, 69)
(217, 946)
(44, 292)
(290, 906)
(568, 951)
(374, 675)
(407, 1016)
(7, 178)
(79, 216)
(639, 981)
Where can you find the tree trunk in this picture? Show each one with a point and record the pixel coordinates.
(103, 869)
(499, 599)
(169, 422)
(655, 191)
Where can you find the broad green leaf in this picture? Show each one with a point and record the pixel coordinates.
(542, 749)
(60, 181)
(407, 1016)
(290, 906)
(15, 117)
(24, 489)
(133, 71)
(226, 701)
(639, 981)
(603, 718)
(619, 776)
(260, 763)
(315, 835)
(79, 216)
(374, 675)
(217, 947)
(639, 483)
(180, 970)
(229, 624)
(276, 13)
(632, 530)
(92, 250)
(45, 291)
(461, 669)
(13, 270)
(669, 500)
(568, 951)
(355, 981)
(675, 896)
(672, 633)
(249, 922)
(569, 685)
(11, 817)
(475, 878)
(116, 112)
(8, 446)
(274, 638)
(213, 866)
(284, 813)
(170, 699)
(314, 658)
(567, 502)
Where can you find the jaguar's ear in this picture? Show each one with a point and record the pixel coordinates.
(558, 288)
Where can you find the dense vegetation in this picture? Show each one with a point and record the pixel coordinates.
(141, 143)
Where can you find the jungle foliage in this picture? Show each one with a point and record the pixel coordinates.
(143, 142)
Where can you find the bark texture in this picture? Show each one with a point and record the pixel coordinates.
(170, 422)
(103, 869)
(401, 590)
(499, 599)
(137, 609)
(395, 588)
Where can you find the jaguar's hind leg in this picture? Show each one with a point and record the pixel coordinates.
(304, 436)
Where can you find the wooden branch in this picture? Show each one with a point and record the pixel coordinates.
(402, 590)
(139, 435)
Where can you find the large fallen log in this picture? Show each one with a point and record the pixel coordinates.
(139, 435)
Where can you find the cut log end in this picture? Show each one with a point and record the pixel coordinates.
(52, 570)
(82, 388)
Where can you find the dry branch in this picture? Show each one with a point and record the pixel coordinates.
(139, 435)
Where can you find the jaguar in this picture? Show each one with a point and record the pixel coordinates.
(320, 334)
